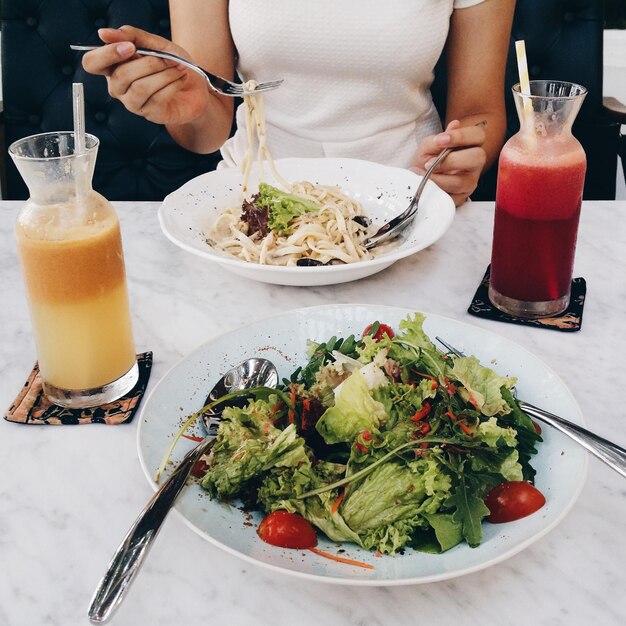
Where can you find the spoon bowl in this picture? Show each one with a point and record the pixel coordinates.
(248, 374)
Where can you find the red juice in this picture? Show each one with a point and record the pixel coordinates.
(538, 203)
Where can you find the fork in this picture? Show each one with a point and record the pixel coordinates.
(607, 451)
(217, 83)
(395, 226)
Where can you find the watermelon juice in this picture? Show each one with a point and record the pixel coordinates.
(538, 202)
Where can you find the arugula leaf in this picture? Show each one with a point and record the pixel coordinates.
(469, 511)
(322, 354)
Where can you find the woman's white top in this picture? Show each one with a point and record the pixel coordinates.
(357, 75)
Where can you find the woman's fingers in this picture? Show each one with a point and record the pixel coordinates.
(454, 136)
(460, 160)
(103, 60)
(145, 69)
(121, 45)
(136, 93)
(141, 38)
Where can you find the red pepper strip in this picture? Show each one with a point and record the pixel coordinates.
(425, 429)
(337, 502)
(466, 429)
(360, 447)
(451, 415)
(306, 407)
(422, 413)
(367, 436)
(450, 388)
(432, 378)
(277, 407)
(292, 398)
(192, 437)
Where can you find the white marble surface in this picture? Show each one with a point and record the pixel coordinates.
(68, 494)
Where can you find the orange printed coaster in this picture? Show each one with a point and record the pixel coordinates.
(32, 406)
(569, 321)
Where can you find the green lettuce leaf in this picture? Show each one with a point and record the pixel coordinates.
(355, 411)
(447, 533)
(395, 491)
(481, 386)
(247, 446)
(283, 206)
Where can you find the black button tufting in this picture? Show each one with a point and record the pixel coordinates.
(33, 119)
(100, 22)
(32, 21)
(534, 70)
(67, 70)
(569, 17)
(100, 116)
(138, 163)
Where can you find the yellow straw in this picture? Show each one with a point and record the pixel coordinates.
(522, 68)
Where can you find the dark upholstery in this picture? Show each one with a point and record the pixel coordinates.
(564, 41)
(137, 160)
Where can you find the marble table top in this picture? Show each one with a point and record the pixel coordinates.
(68, 494)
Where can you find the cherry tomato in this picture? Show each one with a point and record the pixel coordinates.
(383, 329)
(513, 500)
(199, 469)
(287, 530)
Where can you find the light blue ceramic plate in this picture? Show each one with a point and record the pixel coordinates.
(561, 465)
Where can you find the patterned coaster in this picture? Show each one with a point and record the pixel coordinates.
(32, 407)
(569, 321)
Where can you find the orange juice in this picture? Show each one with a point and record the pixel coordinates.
(76, 286)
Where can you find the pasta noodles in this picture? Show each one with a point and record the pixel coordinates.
(334, 233)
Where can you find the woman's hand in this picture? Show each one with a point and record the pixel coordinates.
(162, 91)
(459, 172)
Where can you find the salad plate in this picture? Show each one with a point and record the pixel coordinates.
(560, 463)
(187, 214)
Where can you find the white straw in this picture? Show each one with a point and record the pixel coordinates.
(80, 165)
(78, 102)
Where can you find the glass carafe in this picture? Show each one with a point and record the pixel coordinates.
(541, 173)
(70, 249)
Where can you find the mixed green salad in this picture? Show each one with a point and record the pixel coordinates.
(382, 440)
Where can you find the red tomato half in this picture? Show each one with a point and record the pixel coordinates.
(287, 530)
(513, 500)
(383, 329)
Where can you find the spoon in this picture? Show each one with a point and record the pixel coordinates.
(131, 553)
(395, 226)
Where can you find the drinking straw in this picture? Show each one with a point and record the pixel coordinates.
(78, 102)
(522, 68)
(78, 106)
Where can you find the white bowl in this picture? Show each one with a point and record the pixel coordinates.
(186, 214)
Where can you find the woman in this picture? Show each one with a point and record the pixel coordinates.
(356, 79)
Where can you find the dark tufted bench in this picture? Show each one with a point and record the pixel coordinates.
(137, 160)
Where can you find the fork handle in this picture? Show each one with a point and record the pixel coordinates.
(134, 548)
(607, 451)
